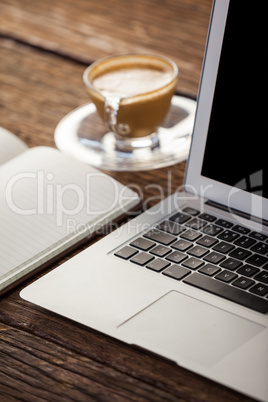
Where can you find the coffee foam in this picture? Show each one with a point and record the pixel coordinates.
(132, 80)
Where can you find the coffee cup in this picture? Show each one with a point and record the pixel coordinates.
(132, 95)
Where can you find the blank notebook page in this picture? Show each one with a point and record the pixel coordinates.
(49, 200)
(10, 145)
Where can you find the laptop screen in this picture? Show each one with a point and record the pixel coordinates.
(234, 151)
(227, 163)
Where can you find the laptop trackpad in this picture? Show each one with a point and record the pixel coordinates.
(180, 326)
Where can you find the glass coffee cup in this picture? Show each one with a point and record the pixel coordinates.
(133, 120)
(132, 95)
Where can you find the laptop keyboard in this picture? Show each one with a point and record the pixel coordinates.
(208, 253)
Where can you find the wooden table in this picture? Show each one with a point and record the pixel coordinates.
(45, 46)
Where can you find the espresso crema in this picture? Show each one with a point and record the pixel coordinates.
(132, 81)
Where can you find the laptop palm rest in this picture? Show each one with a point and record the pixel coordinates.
(187, 328)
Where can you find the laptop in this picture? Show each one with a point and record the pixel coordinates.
(187, 279)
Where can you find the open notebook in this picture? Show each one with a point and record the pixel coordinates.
(48, 203)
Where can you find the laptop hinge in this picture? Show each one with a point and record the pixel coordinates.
(237, 212)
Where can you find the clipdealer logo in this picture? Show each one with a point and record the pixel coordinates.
(39, 193)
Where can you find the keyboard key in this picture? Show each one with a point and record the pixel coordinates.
(192, 263)
(157, 264)
(190, 211)
(262, 277)
(228, 236)
(179, 217)
(142, 244)
(212, 230)
(265, 267)
(196, 224)
(241, 229)
(209, 269)
(191, 235)
(142, 258)
(257, 260)
(207, 217)
(160, 237)
(171, 227)
(243, 283)
(226, 276)
(176, 272)
(228, 292)
(207, 241)
(224, 223)
(176, 257)
(198, 251)
(260, 248)
(259, 289)
(244, 241)
(126, 252)
(160, 251)
(258, 236)
(214, 257)
(248, 270)
(231, 264)
(223, 247)
(240, 253)
(182, 245)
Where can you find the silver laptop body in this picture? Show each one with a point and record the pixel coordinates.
(172, 309)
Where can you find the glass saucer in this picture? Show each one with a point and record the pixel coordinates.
(83, 135)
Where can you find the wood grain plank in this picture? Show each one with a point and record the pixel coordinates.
(87, 30)
(48, 371)
(36, 90)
